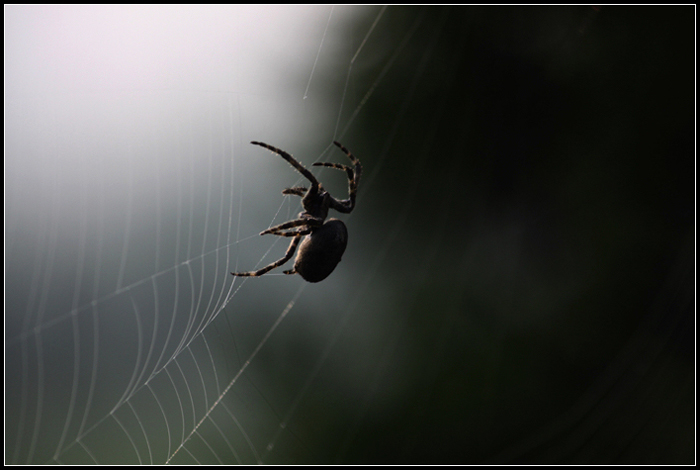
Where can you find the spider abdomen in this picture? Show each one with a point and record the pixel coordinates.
(321, 251)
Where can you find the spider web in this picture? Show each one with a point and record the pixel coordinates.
(488, 309)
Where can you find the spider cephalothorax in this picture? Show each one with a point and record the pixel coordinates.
(324, 243)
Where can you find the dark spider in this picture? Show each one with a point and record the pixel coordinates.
(324, 243)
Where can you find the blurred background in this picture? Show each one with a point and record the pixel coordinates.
(519, 281)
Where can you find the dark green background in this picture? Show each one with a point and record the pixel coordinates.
(541, 186)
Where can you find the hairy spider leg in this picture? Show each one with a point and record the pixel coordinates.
(355, 183)
(310, 221)
(353, 159)
(295, 191)
(292, 233)
(292, 161)
(287, 256)
(337, 166)
(346, 205)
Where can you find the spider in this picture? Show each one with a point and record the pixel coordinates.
(323, 244)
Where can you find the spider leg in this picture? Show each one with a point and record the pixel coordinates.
(346, 205)
(295, 191)
(297, 166)
(310, 221)
(353, 159)
(355, 182)
(337, 166)
(287, 256)
(291, 233)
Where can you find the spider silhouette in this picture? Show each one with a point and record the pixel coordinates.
(323, 244)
